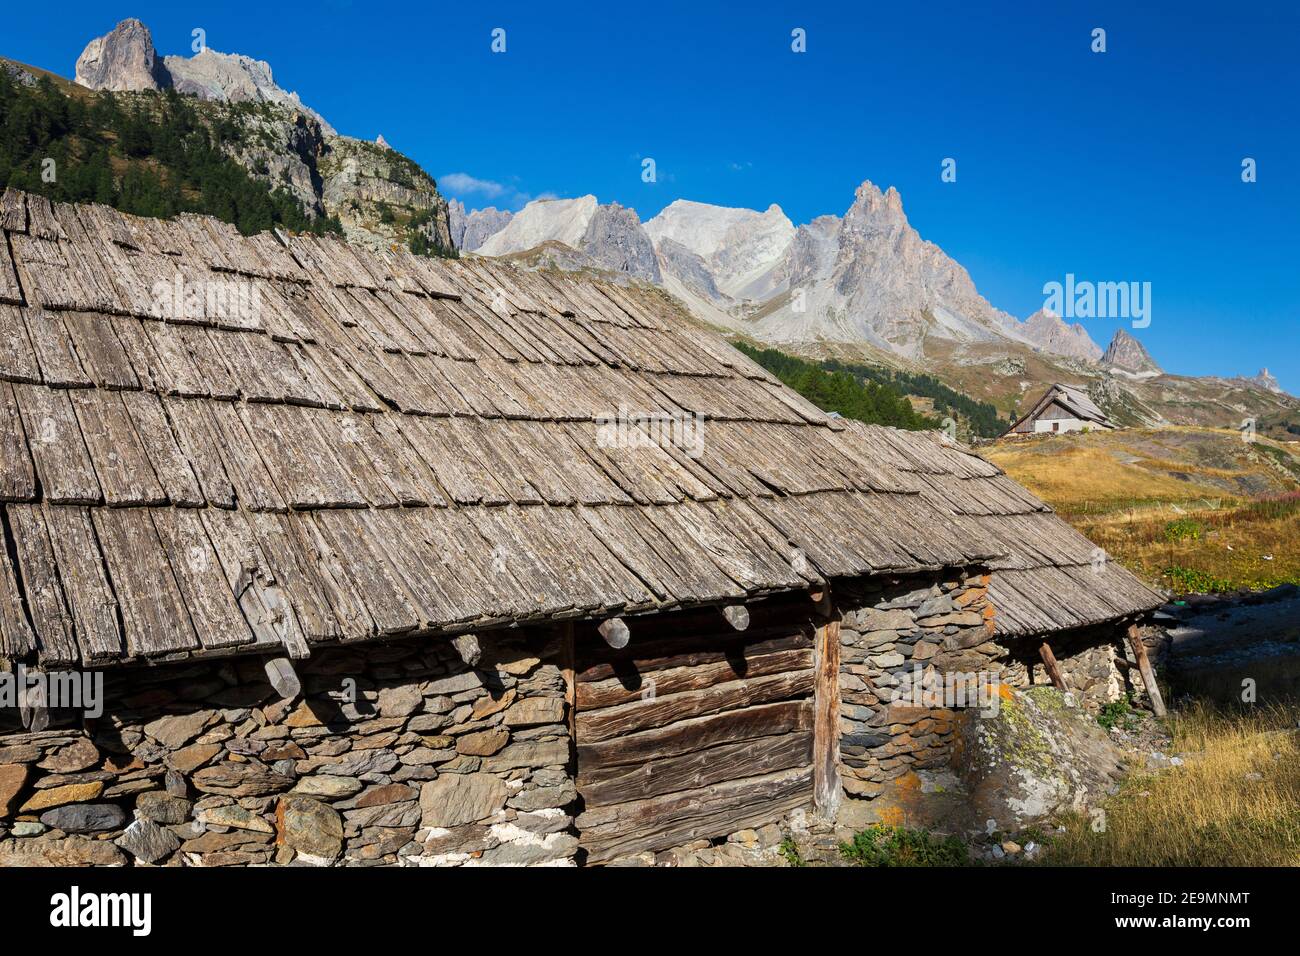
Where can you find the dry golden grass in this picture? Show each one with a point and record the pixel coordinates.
(1234, 802)
(1078, 479)
(1242, 545)
(1166, 519)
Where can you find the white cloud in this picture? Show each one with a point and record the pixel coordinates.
(471, 189)
(465, 183)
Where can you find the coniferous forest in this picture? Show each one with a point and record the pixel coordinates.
(876, 395)
(150, 155)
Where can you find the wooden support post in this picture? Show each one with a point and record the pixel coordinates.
(569, 667)
(1053, 669)
(280, 672)
(737, 616)
(1148, 673)
(33, 709)
(615, 632)
(827, 788)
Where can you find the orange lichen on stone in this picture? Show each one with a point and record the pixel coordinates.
(908, 781)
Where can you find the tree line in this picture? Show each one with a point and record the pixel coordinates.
(149, 155)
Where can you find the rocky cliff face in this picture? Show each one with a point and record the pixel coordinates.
(543, 220)
(608, 238)
(122, 61)
(232, 78)
(679, 264)
(482, 224)
(740, 247)
(870, 277)
(1126, 356)
(1049, 331)
(379, 196)
(615, 240)
(1263, 380)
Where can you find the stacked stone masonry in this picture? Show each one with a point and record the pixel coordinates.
(937, 633)
(395, 754)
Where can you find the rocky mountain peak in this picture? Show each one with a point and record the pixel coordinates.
(616, 240)
(543, 220)
(1264, 380)
(469, 230)
(123, 60)
(868, 198)
(1050, 332)
(1126, 355)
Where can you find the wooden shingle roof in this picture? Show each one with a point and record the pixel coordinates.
(1049, 576)
(384, 445)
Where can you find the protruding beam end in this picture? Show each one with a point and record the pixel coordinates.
(737, 616)
(280, 672)
(615, 632)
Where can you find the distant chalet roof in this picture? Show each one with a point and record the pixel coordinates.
(1050, 577)
(1071, 398)
(390, 445)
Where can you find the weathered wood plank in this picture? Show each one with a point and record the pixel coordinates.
(689, 651)
(749, 758)
(637, 686)
(170, 465)
(40, 575)
(13, 211)
(1053, 669)
(54, 352)
(54, 438)
(667, 821)
(686, 736)
(89, 595)
(346, 546)
(153, 609)
(1146, 670)
(306, 468)
(199, 441)
(289, 568)
(827, 789)
(254, 486)
(215, 613)
(316, 552)
(343, 434)
(120, 461)
(174, 371)
(17, 475)
(17, 357)
(253, 582)
(100, 351)
(398, 464)
(16, 638)
(642, 715)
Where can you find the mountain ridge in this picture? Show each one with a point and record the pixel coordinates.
(376, 195)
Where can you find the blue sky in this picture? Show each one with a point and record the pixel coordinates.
(1121, 166)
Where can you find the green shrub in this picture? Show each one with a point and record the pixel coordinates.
(1184, 529)
(1192, 581)
(881, 845)
(1118, 713)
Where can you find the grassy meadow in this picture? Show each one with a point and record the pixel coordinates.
(1234, 801)
(1191, 510)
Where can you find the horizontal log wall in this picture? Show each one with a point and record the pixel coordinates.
(694, 730)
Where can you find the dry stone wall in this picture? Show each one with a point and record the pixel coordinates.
(890, 636)
(915, 654)
(395, 754)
